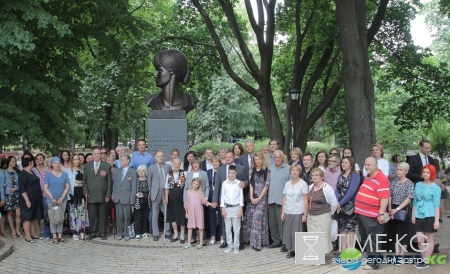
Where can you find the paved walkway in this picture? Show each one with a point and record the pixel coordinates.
(147, 256)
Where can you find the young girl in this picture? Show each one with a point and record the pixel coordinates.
(194, 210)
(425, 213)
(141, 208)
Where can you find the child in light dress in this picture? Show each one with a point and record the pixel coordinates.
(194, 210)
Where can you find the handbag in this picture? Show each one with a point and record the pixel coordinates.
(348, 209)
(334, 230)
(56, 214)
(401, 215)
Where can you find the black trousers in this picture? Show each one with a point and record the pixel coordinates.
(141, 216)
(369, 228)
(98, 218)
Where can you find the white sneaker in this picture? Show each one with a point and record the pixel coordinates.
(138, 237)
(236, 251)
(145, 236)
(212, 242)
(229, 249)
(199, 246)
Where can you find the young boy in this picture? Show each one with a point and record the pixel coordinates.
(231, 202)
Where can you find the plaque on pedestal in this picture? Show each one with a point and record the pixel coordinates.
(167, 129)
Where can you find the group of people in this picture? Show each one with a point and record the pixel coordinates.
(277, 197)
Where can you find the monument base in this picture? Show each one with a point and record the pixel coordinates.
(167, 129)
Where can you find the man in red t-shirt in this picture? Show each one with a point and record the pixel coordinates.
(370, 205)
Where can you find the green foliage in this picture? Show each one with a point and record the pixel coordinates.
(40, 72)
(199, 149)
(439, 136)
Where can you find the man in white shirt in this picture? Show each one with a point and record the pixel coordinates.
(206, 164)
(232, 203)
(246, 158)
(419, 160)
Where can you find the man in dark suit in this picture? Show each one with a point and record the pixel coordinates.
(222, 175)
(206, 164)
(246, 158)
(124, 195)
(157, 177)
(417, 162)
(97, 189)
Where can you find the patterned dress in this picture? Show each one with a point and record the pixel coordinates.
(256, 221)
(345, 223)
(79, 220)
(11, 200)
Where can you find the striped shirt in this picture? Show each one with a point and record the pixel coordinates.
(372, 190)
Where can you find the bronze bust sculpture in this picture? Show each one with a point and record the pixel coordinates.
(171, 70)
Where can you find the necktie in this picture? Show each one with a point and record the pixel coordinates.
(426, 160)
(96, 167)
(161, 176)
(123, 173)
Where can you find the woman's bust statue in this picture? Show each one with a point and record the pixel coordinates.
(171, 70)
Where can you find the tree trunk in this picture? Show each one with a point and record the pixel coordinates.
(137, 135)
(270, 115)
(108, 131)
(358, 84)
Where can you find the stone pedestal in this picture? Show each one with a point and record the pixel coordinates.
(167, 129)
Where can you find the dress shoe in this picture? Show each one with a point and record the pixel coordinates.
(283, 249)
(241, 246)
(290, 255)
(182, 241)
(155, 238)
(92, 236)
(257, 249)
(274, 245)
(103, 237)
(167, 237)
(223, 245)
(119, 238)
(126, 238)
(172, 240)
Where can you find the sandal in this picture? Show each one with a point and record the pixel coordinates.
(62, 240)
(55, 241)
(3, 233)
(14, 236)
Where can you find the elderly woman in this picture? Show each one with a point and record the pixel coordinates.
(402, 193)
(176, 214)
(322, 204)
(256, 220)
(30, 200)
(141, 206)
(294, 208)
(9, 179)
(346, 189)
(57, 187)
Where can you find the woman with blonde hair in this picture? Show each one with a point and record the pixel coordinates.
(256, 223)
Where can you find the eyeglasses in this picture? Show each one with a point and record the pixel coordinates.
(333, 161)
